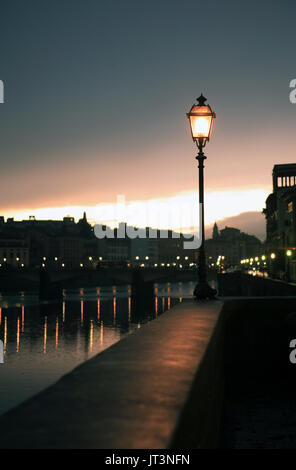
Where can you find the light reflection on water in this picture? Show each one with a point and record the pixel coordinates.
(43, 341)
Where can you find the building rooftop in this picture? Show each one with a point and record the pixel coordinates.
(284, 176)
(284, 167)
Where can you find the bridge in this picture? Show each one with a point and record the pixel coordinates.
(54, 281)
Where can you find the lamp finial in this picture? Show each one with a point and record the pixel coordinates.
(201, 100)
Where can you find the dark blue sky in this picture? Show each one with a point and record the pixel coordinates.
(96, 95)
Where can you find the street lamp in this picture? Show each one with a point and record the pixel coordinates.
(201, 119)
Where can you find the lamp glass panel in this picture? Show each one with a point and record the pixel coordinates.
(200, 125)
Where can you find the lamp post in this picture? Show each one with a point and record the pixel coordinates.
(201, 119)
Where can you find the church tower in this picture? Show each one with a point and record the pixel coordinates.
(215, 232)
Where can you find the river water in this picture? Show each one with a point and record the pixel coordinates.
(43, 341)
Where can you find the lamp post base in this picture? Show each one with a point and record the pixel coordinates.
(203, 291)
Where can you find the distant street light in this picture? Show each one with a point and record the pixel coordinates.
(201, 119)
(289, 254)
(272, 265)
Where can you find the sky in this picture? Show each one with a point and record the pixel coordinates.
(96, 95)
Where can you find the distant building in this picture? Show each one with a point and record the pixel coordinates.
(280, 214)
(113, 249)
(70, 245)
(164, 248)
(14, 248)
(118, 249)
(144, 251)
(47, 242)
(233, 245)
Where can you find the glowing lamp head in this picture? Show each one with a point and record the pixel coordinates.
(273, 255)
(289, 252)
(201, 120)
